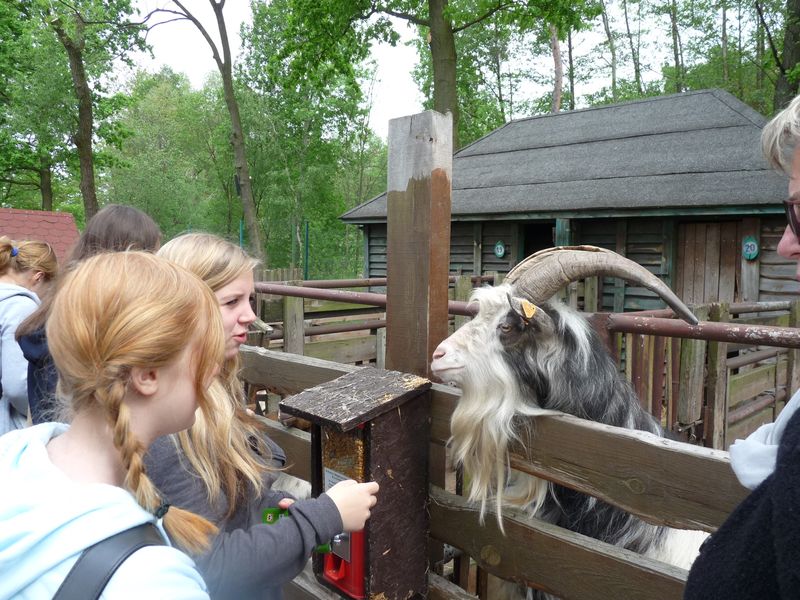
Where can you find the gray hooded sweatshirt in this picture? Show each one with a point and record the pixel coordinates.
(16, 303)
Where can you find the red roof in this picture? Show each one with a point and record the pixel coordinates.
(56, 228)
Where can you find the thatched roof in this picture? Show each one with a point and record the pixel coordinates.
(691, 150)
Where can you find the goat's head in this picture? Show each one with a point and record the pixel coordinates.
(520, 346)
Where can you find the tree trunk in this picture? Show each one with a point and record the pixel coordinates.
(724, 45)
(760, 49)
(443, 59)
(497, 66)
(612, 48)
(242, 169)
(237, 140)
(676, 45)
(571, 73)
(46, 183)
(637, 66)
(785, 89)
(83, 136)
(558, 70)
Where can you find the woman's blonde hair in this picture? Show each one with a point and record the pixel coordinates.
(780, 135)
(221, 449)
(122, 310)
(29, 255)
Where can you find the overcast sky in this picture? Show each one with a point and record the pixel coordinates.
(180, 46)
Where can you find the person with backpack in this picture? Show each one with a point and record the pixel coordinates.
(136, 341)
(25, 268)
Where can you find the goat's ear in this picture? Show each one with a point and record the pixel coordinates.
(523, 307)
(531, 314)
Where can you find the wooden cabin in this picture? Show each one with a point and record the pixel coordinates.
(676, 183)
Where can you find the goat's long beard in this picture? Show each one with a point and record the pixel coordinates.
(481, 428)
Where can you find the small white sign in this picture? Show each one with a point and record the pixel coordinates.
(332, 478)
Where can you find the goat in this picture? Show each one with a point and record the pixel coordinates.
(522, 354)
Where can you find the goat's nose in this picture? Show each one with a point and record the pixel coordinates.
(439, 353)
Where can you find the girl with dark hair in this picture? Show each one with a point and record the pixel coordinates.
(114, 228)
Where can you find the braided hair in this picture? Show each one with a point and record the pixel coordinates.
(123, 310)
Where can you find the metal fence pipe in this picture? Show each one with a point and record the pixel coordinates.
(752, 358)
(297, 291)
(325, 329)
(368, 298)
(370, 282)
(765, 335)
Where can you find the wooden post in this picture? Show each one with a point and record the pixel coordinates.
(293, 326)
(715, 419)
(380, 348)
(591, 296)
(658, 393)
(564, 238)
(621, 248)
(499, 278)
(463, 290)
(477, 249)
(692, 373)
(418, 254)
(418, 244)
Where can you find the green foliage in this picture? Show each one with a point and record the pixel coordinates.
(626, 90)
(301, 129)
(174, 161)
(40, 113)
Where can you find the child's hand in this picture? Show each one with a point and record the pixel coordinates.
(353, 501)
(285, 503)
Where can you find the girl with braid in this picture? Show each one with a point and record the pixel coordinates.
(223, 467)
(136, 341)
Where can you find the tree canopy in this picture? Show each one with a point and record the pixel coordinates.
(285, 121)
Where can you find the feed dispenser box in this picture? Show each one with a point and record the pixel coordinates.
(373, 425)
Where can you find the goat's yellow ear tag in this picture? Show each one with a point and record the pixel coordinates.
(528, 308)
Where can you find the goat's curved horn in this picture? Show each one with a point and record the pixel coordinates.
(542, 274)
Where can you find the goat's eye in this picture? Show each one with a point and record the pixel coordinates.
(505, 327)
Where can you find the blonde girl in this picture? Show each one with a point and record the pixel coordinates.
(25, 268)
(224, 466)
(136, 341)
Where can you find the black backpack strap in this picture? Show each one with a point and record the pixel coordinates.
(95, 566)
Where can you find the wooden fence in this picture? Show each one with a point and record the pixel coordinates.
(662, 481)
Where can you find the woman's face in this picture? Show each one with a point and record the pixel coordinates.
(234, 301)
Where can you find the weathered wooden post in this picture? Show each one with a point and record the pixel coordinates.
(716, 415)
(418, 245)
(692, 377)
(463, 290)
(418, 254)
(293, 325)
